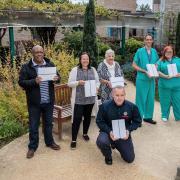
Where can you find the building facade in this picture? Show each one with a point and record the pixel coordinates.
(133, 26)
(156, 5)
(168, 10)
(121, 5)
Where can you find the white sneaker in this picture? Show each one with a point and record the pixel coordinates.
(164, 119)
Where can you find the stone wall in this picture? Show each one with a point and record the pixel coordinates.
(125, 5)
(25, 35)
(172, 5)
(18, 36)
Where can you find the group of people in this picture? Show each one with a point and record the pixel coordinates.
(40, 98)
(168, 85)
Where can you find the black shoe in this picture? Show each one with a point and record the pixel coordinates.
(113, 146)
(149, 121)
(108, 161)
(85, 137)
(73, 145)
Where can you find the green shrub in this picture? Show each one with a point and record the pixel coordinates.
(10, 129)
(13, 112)
(63, 60)
(129, 72)
(100, 59)
(102, 48)
(120, 59)
(131, 46)
(74, 41)
(112, 43)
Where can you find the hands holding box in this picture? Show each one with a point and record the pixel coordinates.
(47, 74)
(119, 130)
(152, 70)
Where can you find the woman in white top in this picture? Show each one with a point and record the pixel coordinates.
(81, 104)
(107, 69)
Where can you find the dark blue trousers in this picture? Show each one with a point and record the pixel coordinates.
(35, 112)
(125, 147)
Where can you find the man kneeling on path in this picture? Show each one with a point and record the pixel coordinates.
(117, 108)
(40, 99)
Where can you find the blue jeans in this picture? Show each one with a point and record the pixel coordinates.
(34, 120)
(125, 147)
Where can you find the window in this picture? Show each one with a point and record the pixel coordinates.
(114, 32)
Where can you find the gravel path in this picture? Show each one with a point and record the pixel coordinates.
(157, 151)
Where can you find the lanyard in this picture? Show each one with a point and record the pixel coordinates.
(149, 56)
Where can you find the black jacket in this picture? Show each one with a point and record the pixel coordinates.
(109, 111)
(27, 82)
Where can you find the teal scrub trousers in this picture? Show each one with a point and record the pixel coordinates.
(145, 93)
(169, 97)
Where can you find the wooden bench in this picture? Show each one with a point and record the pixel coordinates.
(62, 107)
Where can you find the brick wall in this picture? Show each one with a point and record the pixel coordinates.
(127, 5)
(156, 8)
(172, 5)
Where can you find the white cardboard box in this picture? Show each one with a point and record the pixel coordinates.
(47, 73)
(119, 128)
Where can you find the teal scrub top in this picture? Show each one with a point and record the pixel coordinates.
(169, 83)
(142, 58)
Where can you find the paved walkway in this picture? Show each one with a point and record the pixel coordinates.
(157, 151)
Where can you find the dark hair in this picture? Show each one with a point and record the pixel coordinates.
(148, 35)
(163, 58)
(80, 65)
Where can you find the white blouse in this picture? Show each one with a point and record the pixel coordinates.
(111, 68)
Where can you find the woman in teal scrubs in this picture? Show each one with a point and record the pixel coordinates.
(169, 86)
(145, 84)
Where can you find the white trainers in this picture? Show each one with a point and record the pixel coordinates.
(164, 119)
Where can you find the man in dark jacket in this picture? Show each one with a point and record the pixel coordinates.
(117, 108)
(40, 99)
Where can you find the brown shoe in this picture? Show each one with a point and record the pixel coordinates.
(54, 146)
(30, 153)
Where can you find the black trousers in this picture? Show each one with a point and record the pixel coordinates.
(79, 112)
(125, 147)
(34, 120)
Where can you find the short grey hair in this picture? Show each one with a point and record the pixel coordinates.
(109, 51)
(119, 87)
(36, 47)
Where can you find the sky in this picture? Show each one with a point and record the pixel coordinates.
(139, 2)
